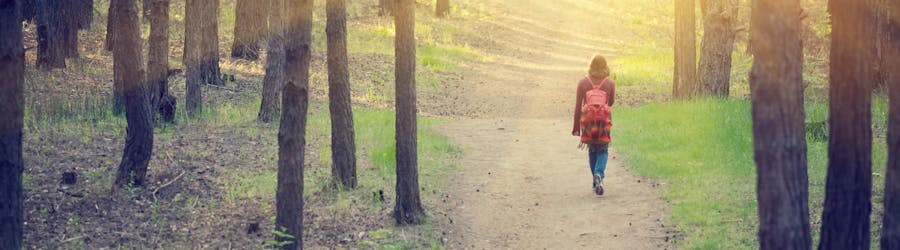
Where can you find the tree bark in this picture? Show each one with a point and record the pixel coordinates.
(210, 43)
(719, 17)
(890, 235)
(85, 13)
(127, 56)
(442, 8)
(249, 28)
(408, 209)
(274, 79)
(685, 77)
(292, 133)
(343, 148)
(110, 26)
(158, 60)
(386, 7)
(192, 57)
(70, 25)
(779, 130)
(848, 186)
(12, 80)
(51, 35)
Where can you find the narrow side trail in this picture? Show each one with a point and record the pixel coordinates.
(523, 183)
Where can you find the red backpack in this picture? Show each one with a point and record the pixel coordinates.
(595, 115)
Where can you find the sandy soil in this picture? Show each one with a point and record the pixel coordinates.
(524, 184)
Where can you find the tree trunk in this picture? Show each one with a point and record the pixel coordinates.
(192, 57)
(70, 25)
(386, 7)
(719, 17)
(408, 209)
(51, 35)
(127, 56)
(292, 133)
(779, 125)
(85, 13)
(210, 43)
(158, 60)
(249, 28)
(890, 235)
(110, 26)
(848, 186)
(343, 148)
(12, 80)
(274, 78)
(685, 80)
(146, 5)
(27, 10)
(442, 8)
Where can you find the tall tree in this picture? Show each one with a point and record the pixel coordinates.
(343, 147)
(71, 20)
(848, 185)
(158, 60)
(51, 52)
(127, 57)
(408, 209)
(890, 235)
(386, 7)
(249, 28)
(210, 44)
(110, 26)
(292, 133)
(719, 17)
(193, 52)
(118, 98)
(442, 8)
(778, 125)
(274, 78)
(12, 80)
(685, 80)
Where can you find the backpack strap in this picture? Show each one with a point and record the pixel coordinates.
(591, 80)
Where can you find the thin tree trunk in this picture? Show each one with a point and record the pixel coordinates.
(778, 125)
(249, 27)
(70, 24)
(158, 60)
(408, 209)
(51, 36)
(12, 80)
(210, 43)
(848, 186)
(274, 78)
(192, 57)
(890, 235)
(292, 133)
(717, 45)
(442, 8)
(127, 54)
(343, 148)
(85, 13)
(685, 80)
(110, 26)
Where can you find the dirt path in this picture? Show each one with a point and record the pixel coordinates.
(523, 183)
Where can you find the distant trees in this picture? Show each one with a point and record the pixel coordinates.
(685, 77)
(249, 28)
(890, 235)
(158, 60)
(386, 7)
(408, 209)
(719, 18)
(778, 125)
(51, 51)
(193, 57)
(343, 146)
(127, 60)
(848, 186)
(274, 77)
(292, 133)
(12, 80)
(209, 45)
(442, 8)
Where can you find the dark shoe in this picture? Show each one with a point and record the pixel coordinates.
(598, 184)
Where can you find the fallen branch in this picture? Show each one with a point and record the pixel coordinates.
(167, 184)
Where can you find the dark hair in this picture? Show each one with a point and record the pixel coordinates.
(599, 68)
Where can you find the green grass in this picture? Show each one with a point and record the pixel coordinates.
(702, 151)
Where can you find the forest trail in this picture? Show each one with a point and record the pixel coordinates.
(523, 184)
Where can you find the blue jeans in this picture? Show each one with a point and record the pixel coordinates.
(598, 159)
